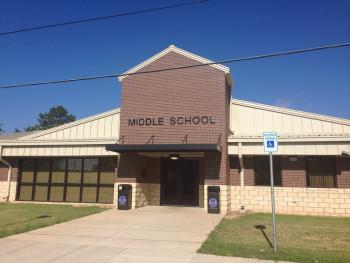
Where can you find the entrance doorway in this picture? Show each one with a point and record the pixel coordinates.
(180, 182)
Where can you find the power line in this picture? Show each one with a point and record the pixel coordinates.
(270, 55)
(103, 17)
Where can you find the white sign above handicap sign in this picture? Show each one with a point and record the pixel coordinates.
(270, 141)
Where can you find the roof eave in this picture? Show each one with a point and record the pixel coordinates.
(185, 53)
(298, 113)
(70, 124)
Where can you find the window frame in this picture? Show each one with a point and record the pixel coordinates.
(65, 184)
(334, 168)
(279, 164)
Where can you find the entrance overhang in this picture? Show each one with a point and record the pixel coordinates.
(128, 148)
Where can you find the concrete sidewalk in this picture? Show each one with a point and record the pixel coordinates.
(149, 234)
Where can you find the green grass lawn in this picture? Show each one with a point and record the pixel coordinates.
(299, 238)
(18, 218)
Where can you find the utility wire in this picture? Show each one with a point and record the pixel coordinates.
(270, 55)
(104, 17)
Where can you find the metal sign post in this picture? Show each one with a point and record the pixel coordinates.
(273, 205)
(271, 145)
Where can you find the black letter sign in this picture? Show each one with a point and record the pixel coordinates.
(131, 122)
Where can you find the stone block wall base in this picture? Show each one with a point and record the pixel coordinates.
(4, 191)
(143, 194)
(225, 197)
(294, 200)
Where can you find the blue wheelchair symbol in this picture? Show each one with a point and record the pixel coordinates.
(270, 144)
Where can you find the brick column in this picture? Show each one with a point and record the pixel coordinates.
(343, 172)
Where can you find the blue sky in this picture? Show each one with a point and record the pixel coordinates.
(220, 29)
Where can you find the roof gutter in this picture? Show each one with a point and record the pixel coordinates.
(8, 175)
(289, 139)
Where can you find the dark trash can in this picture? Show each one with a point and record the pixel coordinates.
(214, 199)
(124, 196)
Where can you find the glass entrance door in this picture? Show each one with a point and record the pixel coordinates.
(179, 184)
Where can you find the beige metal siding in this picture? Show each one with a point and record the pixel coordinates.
(326, 148)
(102, 126)
(300, 133)
(86, 137)
(252, 118)
(36, 151)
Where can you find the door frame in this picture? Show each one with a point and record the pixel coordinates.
(162, 188)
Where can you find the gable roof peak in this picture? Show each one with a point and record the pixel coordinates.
(173, 48)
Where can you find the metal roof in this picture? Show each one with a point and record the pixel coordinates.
(15, 135)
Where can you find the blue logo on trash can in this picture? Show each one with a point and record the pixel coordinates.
(213, 203)
(122, 200)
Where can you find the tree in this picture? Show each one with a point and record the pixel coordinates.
(55, 117)
(1, 130)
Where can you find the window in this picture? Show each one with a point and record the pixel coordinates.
(321, 171)
(107, 175)
(87, 180)
(42, 179)
(262, 170)
(90, 178)
(90, 171)
(74, 171)
(27, 178)
(58, 175)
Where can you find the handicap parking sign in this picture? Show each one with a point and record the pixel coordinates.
(270, 141)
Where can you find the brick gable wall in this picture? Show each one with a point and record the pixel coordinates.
(200, 91)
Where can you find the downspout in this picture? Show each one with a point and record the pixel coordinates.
(8, 174)
(241, 175)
